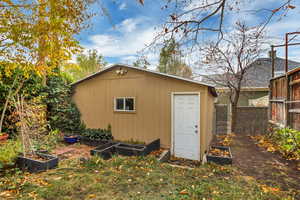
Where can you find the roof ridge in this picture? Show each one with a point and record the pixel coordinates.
(141, 69)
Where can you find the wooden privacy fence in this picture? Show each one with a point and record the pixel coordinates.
(250, 120)
(285, 100)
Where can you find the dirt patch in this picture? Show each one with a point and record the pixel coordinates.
(184, 162)
(268, 168)
(73, 151)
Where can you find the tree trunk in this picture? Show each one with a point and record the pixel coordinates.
(234, 105)
(233, 117)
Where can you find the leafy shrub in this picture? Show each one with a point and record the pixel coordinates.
(30, 88)
(98, 134)
(288, 142)
(62, 112)
(9, 152)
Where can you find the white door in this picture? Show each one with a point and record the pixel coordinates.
(186, 114)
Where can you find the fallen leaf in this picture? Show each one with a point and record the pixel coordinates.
(5, 193)
(92, 196)
(271, 149)
(183, 192)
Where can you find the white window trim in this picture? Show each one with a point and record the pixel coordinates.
(115, 104)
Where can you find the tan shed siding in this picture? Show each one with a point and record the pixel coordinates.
(210, 122)
(203, 121)
(152, 119)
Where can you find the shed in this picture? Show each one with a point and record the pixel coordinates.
(143, 105)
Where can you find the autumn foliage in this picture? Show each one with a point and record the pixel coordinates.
(285, 141)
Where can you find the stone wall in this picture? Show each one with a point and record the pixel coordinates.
(250, 120)
(221, 116)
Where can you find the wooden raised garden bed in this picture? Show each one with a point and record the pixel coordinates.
(40, 162)
(219, 155)
(105, 151)
(108, 149)
(130, 149)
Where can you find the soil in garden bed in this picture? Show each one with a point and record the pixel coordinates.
(222, 140)
(73, 151)
(219, 152)
(36, 157)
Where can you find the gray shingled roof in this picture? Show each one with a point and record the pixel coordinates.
(259, 72)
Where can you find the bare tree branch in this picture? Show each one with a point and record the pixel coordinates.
(232, 59)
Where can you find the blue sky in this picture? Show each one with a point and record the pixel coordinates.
(132, 25)
(127, 30)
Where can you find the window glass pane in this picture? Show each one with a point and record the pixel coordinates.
(120, 104)
(129, 103)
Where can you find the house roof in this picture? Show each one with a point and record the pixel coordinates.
(259, 73)
(244, 89)
(289, 73)
(211, 87)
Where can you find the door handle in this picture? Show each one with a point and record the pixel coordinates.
(196, 126)
(196, 131)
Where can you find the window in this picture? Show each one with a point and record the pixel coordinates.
(125, 104)
(278, 73)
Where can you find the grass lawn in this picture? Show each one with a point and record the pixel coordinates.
(134, 178)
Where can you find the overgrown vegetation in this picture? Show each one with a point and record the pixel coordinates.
(28, 86)
(285, 140)
(8, 152)
(135, 178)
(62, 112)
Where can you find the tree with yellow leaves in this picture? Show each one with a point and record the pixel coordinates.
(38, 36)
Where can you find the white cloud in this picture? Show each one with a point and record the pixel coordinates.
(128, 59)
(130, 36)
(128, 25)
(123, 6)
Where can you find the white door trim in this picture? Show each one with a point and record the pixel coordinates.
(172, 118)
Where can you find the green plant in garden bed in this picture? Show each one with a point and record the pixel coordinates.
(98, 134)
(9, 151)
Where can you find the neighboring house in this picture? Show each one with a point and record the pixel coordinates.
(255, 86)
(143, 105)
